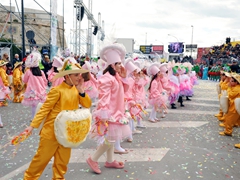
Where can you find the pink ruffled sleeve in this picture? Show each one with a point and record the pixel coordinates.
(154, 92)
(93, 79)
(51, 74)
(104, 89)
(146, 80)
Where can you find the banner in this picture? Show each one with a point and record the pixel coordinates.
(53, 25)
(201, 52)
(54, 50)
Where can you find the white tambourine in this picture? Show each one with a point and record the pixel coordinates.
(237, 105)
(224, 101)
(218, 88)
(71, 127)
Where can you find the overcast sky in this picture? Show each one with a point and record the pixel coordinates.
(151, 21)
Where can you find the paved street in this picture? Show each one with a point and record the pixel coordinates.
(184, 145)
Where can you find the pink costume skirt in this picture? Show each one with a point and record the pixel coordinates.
(32, 98)
(160, 101)
(110, 133)
(186, 88)
(174, 95)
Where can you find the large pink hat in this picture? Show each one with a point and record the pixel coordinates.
(57, 62)
(113, 53)
(153, 69)
(163, 67)
(33, 59)
(130, 66)
(139, 63)
(87, 66)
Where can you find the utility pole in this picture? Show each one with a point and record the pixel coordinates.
(23, 32)
(191, 40)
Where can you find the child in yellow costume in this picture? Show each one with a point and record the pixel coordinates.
(17, 82)
(66, 96)
(231, 117)
(4, 77)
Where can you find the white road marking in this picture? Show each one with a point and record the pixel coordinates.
(173, 124)
(205, 99)
(80, 156)
(201, 104)
(15, 172)
(182, 111)
(134, 155)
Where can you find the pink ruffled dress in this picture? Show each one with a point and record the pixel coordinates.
(55, 82)
(186, 87)
(133, 107)
(175, 89)
(4, 91)
(36, 89)
(110, 107)
(193, 78)
(157, 95)
(139, 91)
(91, 87)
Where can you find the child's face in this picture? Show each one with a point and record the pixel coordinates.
(74, 79)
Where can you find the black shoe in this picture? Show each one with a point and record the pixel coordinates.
(182, 105)
(180, 99)
(173, 106)
(188, 99)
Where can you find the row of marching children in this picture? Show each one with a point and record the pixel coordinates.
(126, 88)
(229, 96)
(122, 90)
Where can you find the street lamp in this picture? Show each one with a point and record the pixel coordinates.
(146, 39)
(192, 40)
(174, 37)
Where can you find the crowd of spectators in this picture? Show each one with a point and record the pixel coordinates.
(223, 54)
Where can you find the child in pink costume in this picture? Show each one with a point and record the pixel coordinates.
(174, 83)
(165, 81)
(36, 82)
(130, 103)
(57, 63)
(110, 125)
(157, 95)
(139, 93)
(4, 92)
(91, 85)
(186, 88)
(141, 80)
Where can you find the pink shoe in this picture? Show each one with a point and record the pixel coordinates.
(93, 165)
(114, 164)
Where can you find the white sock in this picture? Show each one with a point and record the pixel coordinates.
(131, 127)
(153, 114)
(131, 124)
(118, 147)
(139, 121)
